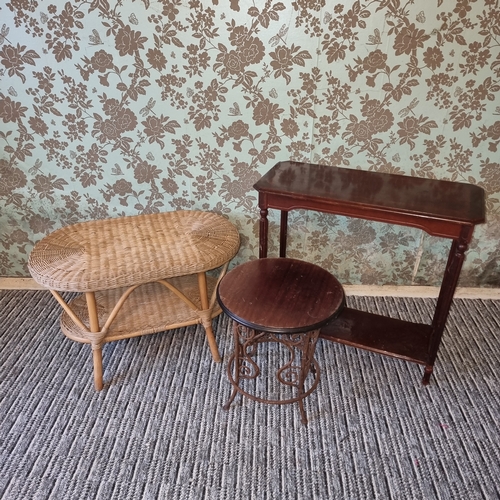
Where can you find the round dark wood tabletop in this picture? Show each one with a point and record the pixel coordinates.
(281, 295)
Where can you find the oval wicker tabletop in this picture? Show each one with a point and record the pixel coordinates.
(127, 251)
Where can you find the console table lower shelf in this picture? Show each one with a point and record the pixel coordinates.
(381, 334)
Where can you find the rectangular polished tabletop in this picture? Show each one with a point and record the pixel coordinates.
(440, 207)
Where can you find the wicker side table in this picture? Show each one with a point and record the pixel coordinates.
(137, 275)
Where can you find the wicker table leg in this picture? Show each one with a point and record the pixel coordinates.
(207, 318)
(96, 347)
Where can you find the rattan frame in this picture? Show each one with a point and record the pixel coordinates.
(137, 275)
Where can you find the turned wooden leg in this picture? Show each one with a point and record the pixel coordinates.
(283, 232)
(263, 229)
(96, 348)
(207, 317)
(427, 374)
(456, 258)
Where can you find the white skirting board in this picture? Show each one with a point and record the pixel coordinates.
(366, 290)
(19, 284)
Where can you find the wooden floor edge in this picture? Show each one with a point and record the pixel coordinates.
(365, 290)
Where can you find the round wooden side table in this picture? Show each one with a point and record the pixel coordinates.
(278, 300)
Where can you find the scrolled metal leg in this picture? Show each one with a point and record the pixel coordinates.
(307, 364)
(241, 364)
(234, 363)
(234, 358)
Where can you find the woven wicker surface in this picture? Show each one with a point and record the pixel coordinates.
(111, 253)
(151, 308)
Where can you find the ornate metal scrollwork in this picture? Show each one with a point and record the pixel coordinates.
(243, 364)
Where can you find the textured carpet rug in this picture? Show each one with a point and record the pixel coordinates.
(158, 430)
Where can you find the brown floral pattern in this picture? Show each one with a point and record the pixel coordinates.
(134, 107)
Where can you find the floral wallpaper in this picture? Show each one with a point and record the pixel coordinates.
(119, 108)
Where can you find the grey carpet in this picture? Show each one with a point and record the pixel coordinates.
(158, 430)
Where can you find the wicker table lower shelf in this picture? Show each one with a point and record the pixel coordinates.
(152, 308)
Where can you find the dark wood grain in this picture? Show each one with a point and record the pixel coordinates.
(380, 334)
(441, 208)
(280, 295)
(438, 207)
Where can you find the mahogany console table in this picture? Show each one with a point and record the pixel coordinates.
(441, 208)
